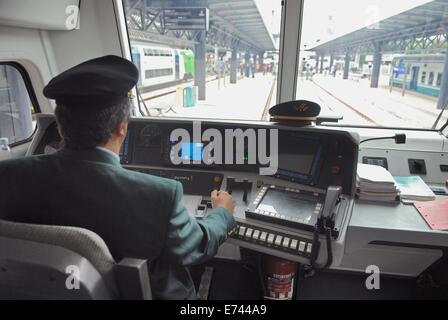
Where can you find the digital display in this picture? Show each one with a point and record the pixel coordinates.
(191, 151)
(298, 155)
(289, 204)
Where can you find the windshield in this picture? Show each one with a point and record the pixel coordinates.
(374, 63)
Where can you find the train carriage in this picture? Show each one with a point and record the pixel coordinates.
(162, 64)
(420, 73)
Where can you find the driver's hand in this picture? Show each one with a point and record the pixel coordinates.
(222, 199)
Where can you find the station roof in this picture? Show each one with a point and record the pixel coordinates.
(232, 23)
(242, 19)
(423, 21)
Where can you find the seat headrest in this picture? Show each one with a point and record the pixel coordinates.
(81, 241)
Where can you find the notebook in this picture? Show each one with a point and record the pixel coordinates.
(413, 188)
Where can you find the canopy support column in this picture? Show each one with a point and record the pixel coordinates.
(199, 65)
(375, 78)
(346, 65)
(443, 95)
(233, 66)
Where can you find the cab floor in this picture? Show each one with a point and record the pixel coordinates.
(242, 281)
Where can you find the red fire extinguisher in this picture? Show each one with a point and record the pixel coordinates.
(279, 278)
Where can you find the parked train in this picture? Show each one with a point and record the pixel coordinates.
(162, 64)
(421, 73)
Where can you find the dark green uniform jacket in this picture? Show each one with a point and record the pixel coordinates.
(137, 215)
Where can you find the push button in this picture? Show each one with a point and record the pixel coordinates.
(263, 236)
(278, 241)
(271, 238)
(256, 234)
(293, 244)
(309, 248)
(249, 233)
(242, 231)
(302, 246)
(286, 242)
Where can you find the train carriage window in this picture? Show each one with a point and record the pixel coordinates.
(423, 79)
(362, 61)
(439, 79)
(431, 78)
(223, 52)
(17, 107)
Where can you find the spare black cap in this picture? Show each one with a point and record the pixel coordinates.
(98, 82)
(300, 110)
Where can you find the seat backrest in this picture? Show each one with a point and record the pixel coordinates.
(56, 262)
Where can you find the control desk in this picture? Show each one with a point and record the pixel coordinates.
(283, 179)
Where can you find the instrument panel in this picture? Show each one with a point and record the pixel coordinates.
(307, 156)
(276, 213)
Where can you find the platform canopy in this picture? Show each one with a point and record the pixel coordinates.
(232, 24)
(242, 19)
(417, 28)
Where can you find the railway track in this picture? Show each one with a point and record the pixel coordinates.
(362, 115)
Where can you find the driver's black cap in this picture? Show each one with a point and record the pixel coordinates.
(300, 110)
(98, 82)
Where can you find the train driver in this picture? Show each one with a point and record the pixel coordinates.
(84, 185)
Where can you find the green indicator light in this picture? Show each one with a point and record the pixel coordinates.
(340, 157)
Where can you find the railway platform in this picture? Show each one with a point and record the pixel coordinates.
(248, 99)
(361, 105)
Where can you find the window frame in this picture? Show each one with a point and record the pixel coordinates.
(31, 94)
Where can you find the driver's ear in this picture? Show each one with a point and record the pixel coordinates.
(121, 130)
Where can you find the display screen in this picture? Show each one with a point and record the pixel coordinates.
(191, 151)
(289, 204)
(298, 155)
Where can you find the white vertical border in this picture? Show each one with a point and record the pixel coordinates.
(122, 29)
(125, 44)
(291, 31)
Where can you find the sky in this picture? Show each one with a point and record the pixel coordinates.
(328, 19)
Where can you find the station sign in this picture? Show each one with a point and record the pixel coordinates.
(186, 18)
(399, 70)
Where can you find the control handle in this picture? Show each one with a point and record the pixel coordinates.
(246, 188)
(331, 199)
(229, 184)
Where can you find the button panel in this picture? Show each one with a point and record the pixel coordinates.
(274, 240)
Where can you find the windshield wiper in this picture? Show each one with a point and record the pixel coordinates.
(434, 126)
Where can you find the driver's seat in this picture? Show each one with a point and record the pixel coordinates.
(54, 262)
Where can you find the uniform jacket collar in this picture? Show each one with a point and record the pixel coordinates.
(94, 155)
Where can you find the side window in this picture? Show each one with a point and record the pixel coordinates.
(16, 107)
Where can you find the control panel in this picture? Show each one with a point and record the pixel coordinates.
(307, 156)
(291, 207)
(277, 213)
(264, 237)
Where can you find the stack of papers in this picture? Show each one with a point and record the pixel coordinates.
(413, 188)
(375, 183)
